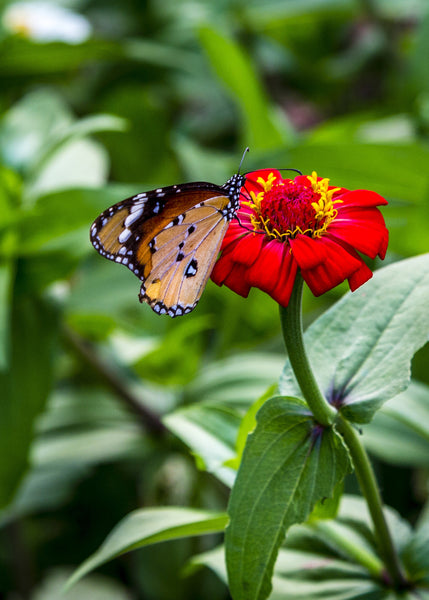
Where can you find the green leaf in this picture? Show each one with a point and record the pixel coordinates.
(150, 526)
(25, 385)
(248, 424)
(233, 67)
(399, 432)
(288, 465)
(77, 163)
(336, 559)
(209, 430)
(30, 124)
(327, 508)
(362, 347)
(416, 555)
(229, 387)
(75, 131)
(238, 380)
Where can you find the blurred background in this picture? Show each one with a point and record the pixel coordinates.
(101, 100)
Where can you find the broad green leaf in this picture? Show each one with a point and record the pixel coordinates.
(399, 432)
(228, 387)
(248, 424)
(30, 124)
(239, 380)
(416, 556)
(77, 130)
(26, 383)
(361, 349)
(150, 526)
(209, 430)
(234, 69)
(77, 163)
(288, 465)
(336, 559)
(327, 508)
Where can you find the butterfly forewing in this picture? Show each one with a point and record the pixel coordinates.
(170, 239)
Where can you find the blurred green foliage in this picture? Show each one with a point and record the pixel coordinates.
(149, 94)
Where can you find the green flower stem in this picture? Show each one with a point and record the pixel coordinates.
(369, 488)
(291, 319)
(325, 414)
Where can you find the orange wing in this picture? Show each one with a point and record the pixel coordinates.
(169, 238)
(182, 258)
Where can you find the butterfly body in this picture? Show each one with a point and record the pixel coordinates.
(169, 238)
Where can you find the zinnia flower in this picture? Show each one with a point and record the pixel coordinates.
(304, 223)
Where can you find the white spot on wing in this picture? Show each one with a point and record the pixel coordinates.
(124, 235)
(133, 217)
(136, 206)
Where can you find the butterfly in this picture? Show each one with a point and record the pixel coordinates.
(170, 238)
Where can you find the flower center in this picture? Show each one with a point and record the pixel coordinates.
(287, 208)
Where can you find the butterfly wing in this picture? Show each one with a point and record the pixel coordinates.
(169, 238)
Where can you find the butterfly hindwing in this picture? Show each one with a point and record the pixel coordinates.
(169, 238)
(183, 260)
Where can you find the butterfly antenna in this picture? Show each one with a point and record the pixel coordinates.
(290, 169)
(242, 159)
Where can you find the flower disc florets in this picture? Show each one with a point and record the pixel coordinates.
(304, 223)
(287, 208)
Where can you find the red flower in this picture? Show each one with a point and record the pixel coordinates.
(285, 225)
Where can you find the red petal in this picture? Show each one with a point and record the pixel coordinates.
(233, 234)
(223, 266)
(362, 228)
(363, 198)
(264, 272)
(308, 252)
(360, 277)
(303, 180)
(236, 281)
(287, 274)
(247, 250)
(339, 264)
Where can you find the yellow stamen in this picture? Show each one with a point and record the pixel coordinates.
(267, 185)
(324, 207)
